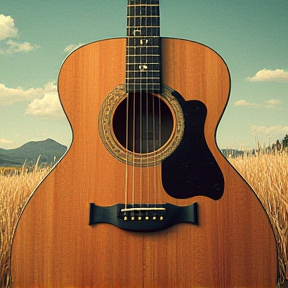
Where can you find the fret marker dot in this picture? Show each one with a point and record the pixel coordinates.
(144, 41)
(143, 67)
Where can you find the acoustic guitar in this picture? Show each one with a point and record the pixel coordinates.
(144, 197)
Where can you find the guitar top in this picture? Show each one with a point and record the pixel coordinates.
(144, 197)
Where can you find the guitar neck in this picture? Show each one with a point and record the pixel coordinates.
(143, 69)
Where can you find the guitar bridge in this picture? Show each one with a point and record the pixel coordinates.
(143, 218)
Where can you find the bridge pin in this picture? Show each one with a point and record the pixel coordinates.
(147, 218)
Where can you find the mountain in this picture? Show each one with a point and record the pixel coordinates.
(49, 150)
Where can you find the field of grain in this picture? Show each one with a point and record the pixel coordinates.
(268, 176)
(16, 185)
(266, 173)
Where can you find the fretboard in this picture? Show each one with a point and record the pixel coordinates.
(143, 69)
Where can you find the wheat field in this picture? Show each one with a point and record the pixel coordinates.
(266, 173)
(15, 188)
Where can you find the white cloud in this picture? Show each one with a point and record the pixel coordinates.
(276, 132)
(10, 96)
(7, 31)
(270, 104)
(44, 102)
(49, 106)
(7, 27)
(72, 47)
(19, 47)
(243, 103)
(274, 102)
(265, 75)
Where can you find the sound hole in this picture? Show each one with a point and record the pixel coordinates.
(146, 118)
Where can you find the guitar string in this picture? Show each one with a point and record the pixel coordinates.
(138, 93)
(147, 115)
(141, 118)
(127, 102)
(155, 192)
(147, 104)
(142, 93)
(152, 118)
(151, 94)
(160, 102)
(156, 117)
(134, 108)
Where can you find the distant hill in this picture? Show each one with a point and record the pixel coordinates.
(48, 149)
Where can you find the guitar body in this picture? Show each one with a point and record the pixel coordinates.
(231, 246)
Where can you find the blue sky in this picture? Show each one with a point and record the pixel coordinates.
(36, 36)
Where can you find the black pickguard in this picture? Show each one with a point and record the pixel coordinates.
(192, 170)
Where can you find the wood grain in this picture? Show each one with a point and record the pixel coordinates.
(53, 246)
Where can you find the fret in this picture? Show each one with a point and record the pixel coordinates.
(143, 37)
(142, 52)
(144, 2)
(142, 55)
(136, 80)
(147, 80)
(139, 70)
(142, 69)
(143, 80)
(143, 87)
(136, 50)
(143, 65)
(151, 17)
(143, 10)
(145, 5)
(148, 66)
(132, 27)
(155, 74)
(143, 21)
(134, 71)
(143, 41)
(136, 59)
(143, 31)
(146, 16)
